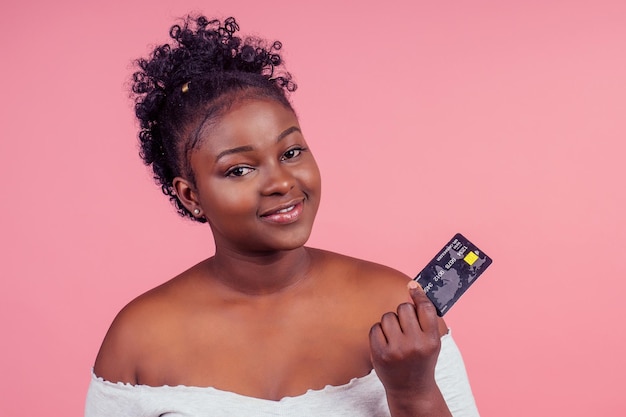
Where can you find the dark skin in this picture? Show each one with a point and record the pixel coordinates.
(266, 316)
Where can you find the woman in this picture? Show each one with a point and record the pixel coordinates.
(265, 326)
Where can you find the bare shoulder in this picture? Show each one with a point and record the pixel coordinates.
(367, 278)
(136, 332)
(381, 288)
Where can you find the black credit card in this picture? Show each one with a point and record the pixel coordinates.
(455, 268)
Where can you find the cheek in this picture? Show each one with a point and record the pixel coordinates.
(312, 179)
(228, 202)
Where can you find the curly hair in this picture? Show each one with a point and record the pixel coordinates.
(185, 85)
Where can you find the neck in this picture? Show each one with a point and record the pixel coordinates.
(260, 274)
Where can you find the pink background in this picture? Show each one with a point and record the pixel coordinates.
(503, 120)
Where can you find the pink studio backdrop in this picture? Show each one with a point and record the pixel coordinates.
(503, 120)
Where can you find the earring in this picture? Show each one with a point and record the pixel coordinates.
(196, 211)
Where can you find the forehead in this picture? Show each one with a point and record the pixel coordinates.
(251, 122)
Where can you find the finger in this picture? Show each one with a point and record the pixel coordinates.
(391, 326)
(407, 316)
(425, 310)
(378, 341)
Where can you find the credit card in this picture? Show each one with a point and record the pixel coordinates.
(455, 268)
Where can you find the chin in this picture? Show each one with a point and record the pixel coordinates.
(289, 243)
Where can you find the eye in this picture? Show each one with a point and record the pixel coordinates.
(239, 171)
(292, 153)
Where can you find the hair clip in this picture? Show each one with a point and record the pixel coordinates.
(185, 87)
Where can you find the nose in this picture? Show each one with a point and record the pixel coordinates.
(279, 180)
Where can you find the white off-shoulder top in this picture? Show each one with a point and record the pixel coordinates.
(360, 397)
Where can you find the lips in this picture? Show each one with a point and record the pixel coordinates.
(285, 213)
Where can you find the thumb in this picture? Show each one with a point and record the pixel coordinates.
(418, 296)
(426, 311)
(414, 287)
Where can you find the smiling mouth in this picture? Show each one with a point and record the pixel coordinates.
(285, 215)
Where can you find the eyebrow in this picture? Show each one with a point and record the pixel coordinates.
(249, 148)
(288, 132)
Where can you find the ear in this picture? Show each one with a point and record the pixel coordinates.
(188, 196)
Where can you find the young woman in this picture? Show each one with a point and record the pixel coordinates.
(265, 326)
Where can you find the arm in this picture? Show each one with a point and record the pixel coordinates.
(117, 356)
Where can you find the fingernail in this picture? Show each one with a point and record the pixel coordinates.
(412, 285)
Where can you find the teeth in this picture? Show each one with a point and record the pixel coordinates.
(286, 210)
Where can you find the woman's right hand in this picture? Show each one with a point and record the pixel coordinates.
(404, 349)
